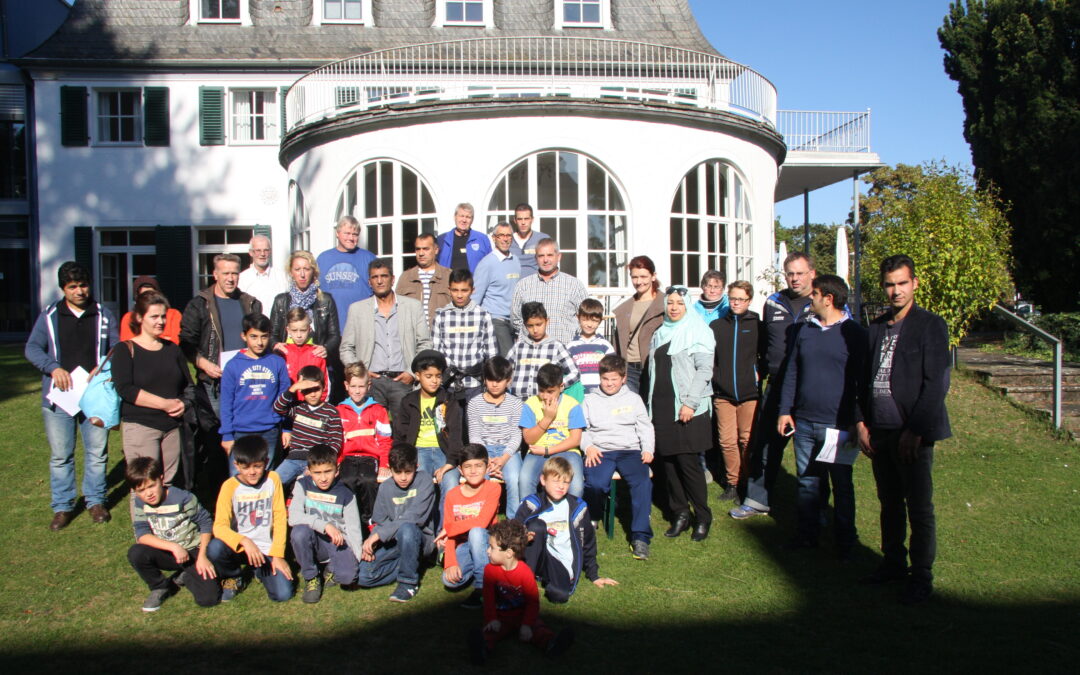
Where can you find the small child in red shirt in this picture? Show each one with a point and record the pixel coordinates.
(364, 458)
(470, 509)
(300, 350)
(511, 597)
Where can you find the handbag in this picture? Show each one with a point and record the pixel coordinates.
(100, 402)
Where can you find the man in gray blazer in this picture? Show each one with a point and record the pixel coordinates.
(385, 331)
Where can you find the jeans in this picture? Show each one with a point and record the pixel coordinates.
(60, 429)
(430, 460)
(905, 490)
(229, 565)
(504, 334)
(291, 469)
(398, 559)
(533, 466)
(272, 436)
(766, 451)
(511, 473)
(636, 474)
(389, 394)
(312, 548)
(813, 481)
(633, 377)
(471, 558)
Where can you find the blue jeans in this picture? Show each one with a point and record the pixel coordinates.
(429, 460)
(312, 548)
(511, 473)
(60, 429)
(533, 466)
(471, 558)
(814, 478)
(291, 469)
(636, 474)
(272, 436)
(766, 450)
(398, 559)
(229, 565)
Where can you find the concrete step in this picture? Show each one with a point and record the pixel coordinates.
(1040, 395)
(1070, 418)
(1039, 377)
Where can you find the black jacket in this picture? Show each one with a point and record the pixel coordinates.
(778, 325)
(920, 373)
(200, 327)
(324, 321)
(582, 534)
(407, 427)
(735, 376)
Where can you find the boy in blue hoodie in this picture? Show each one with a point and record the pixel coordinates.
(250, 382)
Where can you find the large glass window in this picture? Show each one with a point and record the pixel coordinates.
(577, 202)
(214, 240)
(583, 13)
(123, 255)
(12, 159)
(255, 117)
(710, 225)
(119, 116)
(220, 10)
(343, 10)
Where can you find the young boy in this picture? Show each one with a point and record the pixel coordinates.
(325, 525)
(314, 421)
(465, 334)
(250, 382)
(493, 419)
(534, 350)
(250, 525)
(562, 541)
(511, 599)
(588, 346)
(403, 527)
(470, 509)
(619, 437)
(551, 423)
(172, 531)
(299, 349)
(366, 429)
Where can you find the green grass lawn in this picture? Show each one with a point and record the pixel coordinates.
(1007, 588)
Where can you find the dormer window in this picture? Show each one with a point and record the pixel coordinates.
(220, 11)
(344, 11)
(464, 13)
(583, 14)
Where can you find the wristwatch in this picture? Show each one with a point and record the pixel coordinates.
(546, 452)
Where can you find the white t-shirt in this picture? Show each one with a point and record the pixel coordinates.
(559, 545)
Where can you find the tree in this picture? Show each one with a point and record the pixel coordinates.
(955, 231)
(1017, 68)
(822, 244)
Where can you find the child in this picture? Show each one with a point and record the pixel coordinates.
(325, 525)
(250, 382)
(493, 419)
(465, 334)
(470, 509)
(511, 599)
(172, 531)
(250, 525)
(403, 527)
(314, 421)
(534, 350)
(551, 423)
(619, 437)
(588, 346)
(562, 541)
(299, 349)
(366, 429)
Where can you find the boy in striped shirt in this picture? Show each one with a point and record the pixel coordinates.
(588, 346)
(314, 422)
(493, 423)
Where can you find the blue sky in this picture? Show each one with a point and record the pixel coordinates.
(846, 55)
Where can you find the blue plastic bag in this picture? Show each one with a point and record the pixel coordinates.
(100, 402)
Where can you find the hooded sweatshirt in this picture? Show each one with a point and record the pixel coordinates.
(617, 422)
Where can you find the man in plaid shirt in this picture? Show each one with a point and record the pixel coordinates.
(536, 348)
(559, 293)
(465, 335)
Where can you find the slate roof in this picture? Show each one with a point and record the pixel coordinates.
(156, 32)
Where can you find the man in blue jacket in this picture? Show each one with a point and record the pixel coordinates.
(74, 332)
(463, 247)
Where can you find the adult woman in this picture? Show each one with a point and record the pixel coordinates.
(151, 376)
(304, 292)
(637, 318)
(680, 370)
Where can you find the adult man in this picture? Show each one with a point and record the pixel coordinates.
(344, 268)
(461, 247)
(385, 332)
(903, 407)
(428, 282)
(496, 278)
(559, 293)
(783, 310)
(75, 332)
(818, 403)
(262, 280)
(526, 239)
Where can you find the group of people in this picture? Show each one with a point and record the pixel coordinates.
(398, 417)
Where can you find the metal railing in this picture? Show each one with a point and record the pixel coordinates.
(530, 67)
(821, 131)
(1055, 342)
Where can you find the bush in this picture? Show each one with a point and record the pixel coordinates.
(1065, 326)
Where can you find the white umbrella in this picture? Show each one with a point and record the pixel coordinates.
(841, 253)
(781, 255)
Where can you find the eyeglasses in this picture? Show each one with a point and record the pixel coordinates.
(681, 290)
(732, 299)
(501, 235)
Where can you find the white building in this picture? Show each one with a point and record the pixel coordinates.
(167, 131)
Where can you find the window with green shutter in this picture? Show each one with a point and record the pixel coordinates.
(211, 115)
(172, 245)
(84, 247)
(156, 116)
(74, 128)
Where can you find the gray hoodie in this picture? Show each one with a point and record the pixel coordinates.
(414, 504)
(617, 422)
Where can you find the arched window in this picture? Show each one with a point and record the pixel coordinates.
(577, 202)
(393, 205)
(710, 225)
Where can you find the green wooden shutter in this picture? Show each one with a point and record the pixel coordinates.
(84, 247)
(281, 102)
(156, 116)
(73, 123)
(174, 272)
(211, 115)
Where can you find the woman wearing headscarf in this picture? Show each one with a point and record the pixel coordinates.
(679, 385)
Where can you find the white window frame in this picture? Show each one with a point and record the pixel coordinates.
(196, 17)
(239, 248)
(129, 252)
(299, 221)
(98, 136)
(604, 22)
(487, 21)
(318, 17)
(272, 119)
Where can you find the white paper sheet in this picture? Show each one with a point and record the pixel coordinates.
(225, 357)
(837, 448)
(68, 401)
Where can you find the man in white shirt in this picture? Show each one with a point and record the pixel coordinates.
(262, 280)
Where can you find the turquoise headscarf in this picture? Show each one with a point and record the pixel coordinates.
(687, 334)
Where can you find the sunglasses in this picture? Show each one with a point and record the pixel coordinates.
(681, 290)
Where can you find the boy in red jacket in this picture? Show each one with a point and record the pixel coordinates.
(366, 425)
(299, 350)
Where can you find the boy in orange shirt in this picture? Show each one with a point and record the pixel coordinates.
(470, 509)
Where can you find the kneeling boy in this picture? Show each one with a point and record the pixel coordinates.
(470, 509)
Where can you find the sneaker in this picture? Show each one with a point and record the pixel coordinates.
(312, 590)
(639, 548)
(180, 578)
(596, 525)
(474, 601)
(730, 494)
(328, 580)
(561, 642)
(916, 592)
(157, 596)
(404, 593)
(231, 587)
(742, 512)
(477, 647)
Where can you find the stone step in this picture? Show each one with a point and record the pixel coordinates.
(1070, 417)
(1042, 377)
(1041, 395)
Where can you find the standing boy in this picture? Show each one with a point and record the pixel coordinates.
(470, 509)
(588, 346)
(493, 419)
(313, 421)
(299, 349)
(367, 436)
(534, 349)
(463, 333)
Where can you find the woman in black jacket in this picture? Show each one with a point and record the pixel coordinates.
(304, 292)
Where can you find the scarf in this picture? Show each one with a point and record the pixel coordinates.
(687, 334)
(711, 305)
(303, 299)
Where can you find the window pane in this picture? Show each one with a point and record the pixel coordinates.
(332, 9)
(143, 264)
(597, 232)
(677, 202)
(474, 11)
(676, 234)
(230, 9)
(545, 179)
(549, 226)
(569, 263)
(142, 237)
(409, 197)
(371, 199)
(211, 9)
(568, 181)
(427, 204)
(692, 240)
(518, 184)
(591, 13)
(238, 235)
(387, 239)
(616, 263)
(386, 178)
(498, 198)
(597, 272)
(617, 232)
(595, 181)
(114, 238)
(211, 238)
(567, 233)
(454, 11)
(692, 192)
(693, 270)
(353, 10)
(409, 229)
(677, 276)
(710, 190)
(571, 12)
(372, 240)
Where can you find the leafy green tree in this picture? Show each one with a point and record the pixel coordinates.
(955, 231)
(822, 244)
(1017, 68)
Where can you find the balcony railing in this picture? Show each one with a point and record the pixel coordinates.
(530, 67)
(816, 131)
